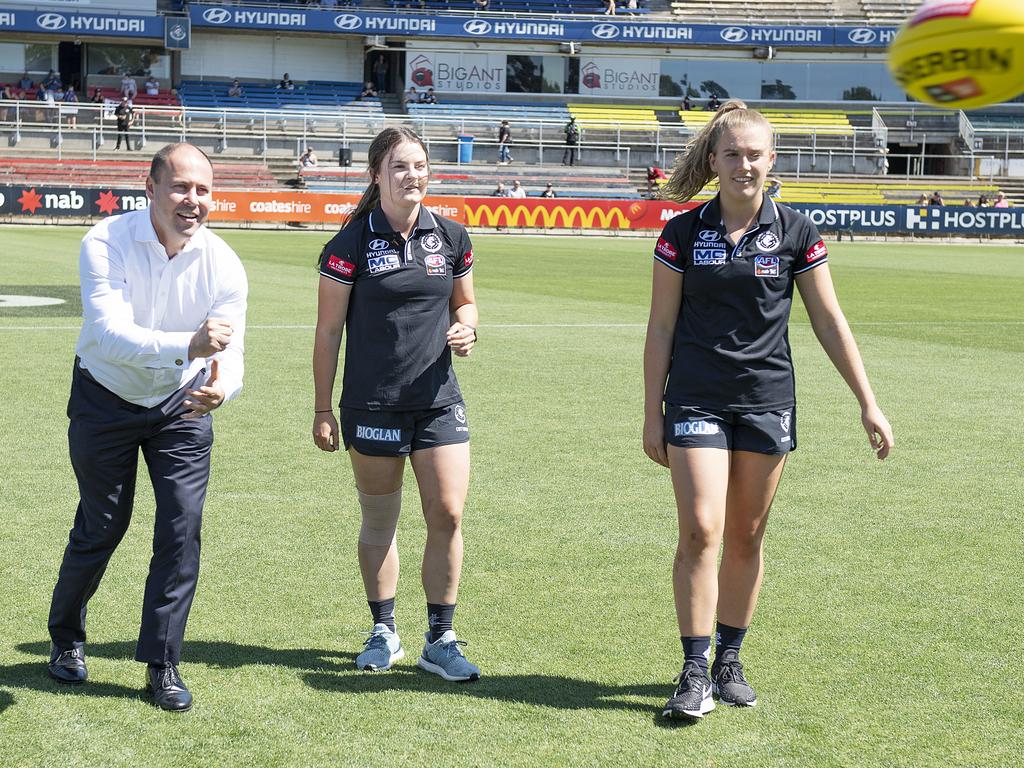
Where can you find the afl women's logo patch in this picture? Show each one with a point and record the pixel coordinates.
(768, 241)
(378, 245)
(766, 266)
(785, 420)
(431, 243)
(434, 264)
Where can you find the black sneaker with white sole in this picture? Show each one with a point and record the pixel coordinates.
(730, 686)
(692, 698)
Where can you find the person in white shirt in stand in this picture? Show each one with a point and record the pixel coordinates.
(161, 347)
(517, 189)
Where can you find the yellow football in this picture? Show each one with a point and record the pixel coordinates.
(961, 54)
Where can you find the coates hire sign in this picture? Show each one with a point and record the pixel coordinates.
(612, 31)
(80, 24)
(915, 220)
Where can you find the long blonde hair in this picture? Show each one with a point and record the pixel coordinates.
(378, 152)
(692, 170)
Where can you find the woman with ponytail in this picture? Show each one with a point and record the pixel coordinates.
(719, 394)
(398, 280)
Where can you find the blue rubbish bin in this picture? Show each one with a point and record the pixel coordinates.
(465, 149)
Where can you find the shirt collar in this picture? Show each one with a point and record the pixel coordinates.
(711, 213)
(379, 222)
(145, 233)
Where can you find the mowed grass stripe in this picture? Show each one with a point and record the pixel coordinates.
(885, 634)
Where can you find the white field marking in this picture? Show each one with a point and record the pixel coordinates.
(14, 300)
(582, 326)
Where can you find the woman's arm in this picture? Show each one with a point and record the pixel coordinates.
(666, 298)
(332, 308)
(837, 340)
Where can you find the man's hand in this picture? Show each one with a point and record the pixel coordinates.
(213, 336)
(206, 398)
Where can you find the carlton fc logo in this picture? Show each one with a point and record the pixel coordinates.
(734, 34)
(477, 27)
(605, 31)
(177, 32)
(347, 21)
(217, 15)
(51, 21)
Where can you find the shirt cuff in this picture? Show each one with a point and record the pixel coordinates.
(174, 350)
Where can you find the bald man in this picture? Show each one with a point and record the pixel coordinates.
(161, 347)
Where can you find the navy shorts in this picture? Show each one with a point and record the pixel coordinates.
(772, 432)
(399, 433)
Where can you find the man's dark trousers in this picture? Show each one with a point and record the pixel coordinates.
(104, 438)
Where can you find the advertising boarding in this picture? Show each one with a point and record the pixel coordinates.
(454, 71)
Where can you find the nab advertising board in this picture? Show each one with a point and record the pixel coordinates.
(553, 29)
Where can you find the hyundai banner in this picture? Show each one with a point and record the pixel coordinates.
(553, 29)
(79, 23)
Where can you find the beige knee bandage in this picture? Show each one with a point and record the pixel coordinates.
(380, 518)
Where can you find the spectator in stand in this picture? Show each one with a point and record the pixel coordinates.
(98, 101)
(549, 191)
(1001, 201)
(713, 103)
(6, 94)
(654, 176)
(286, 83)
(308, 159)
(983, 201)
(968, 203)
(923, 199)
(428, 97)
(481, 5)
(500, 190)
(152, 86)
(25, 84)
(411, 97)
(572, 142)
(125, 114)
(70, 106)
(51, 82)
(504, 139)
(686, 105)
(129, 88)
(380, 73)
(368, 92)
(773, 187)
(632, 5)
(235, 91)
(517, 190)
(609, 7)
(936, 199)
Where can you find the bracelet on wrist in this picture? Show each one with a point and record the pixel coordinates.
(329, 410)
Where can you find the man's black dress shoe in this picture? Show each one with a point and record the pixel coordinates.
(68, 666)
(169, 692)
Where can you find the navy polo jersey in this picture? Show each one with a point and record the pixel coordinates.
(396, 351)
(731, 349)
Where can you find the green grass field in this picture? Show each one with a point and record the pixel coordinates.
(889, 628)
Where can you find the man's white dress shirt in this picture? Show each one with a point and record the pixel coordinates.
(142, 308)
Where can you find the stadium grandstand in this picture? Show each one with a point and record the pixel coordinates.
(256, 83)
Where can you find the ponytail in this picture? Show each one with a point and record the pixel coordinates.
(692, 170)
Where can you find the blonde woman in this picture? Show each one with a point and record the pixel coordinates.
(720, 407)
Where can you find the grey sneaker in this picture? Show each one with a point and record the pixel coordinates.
(382, 649)
(728, 682)
(445, 658)
(692, 698)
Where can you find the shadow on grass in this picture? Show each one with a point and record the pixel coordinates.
(334, 671)
(554, 691)
(6, 699)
